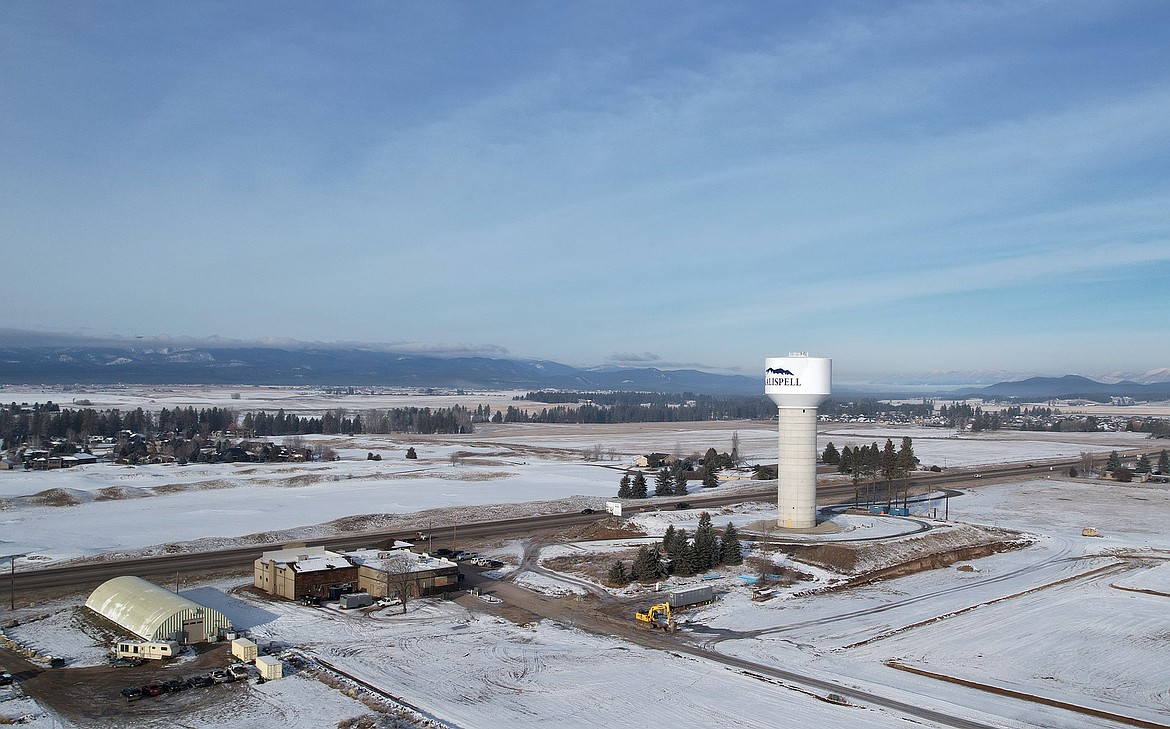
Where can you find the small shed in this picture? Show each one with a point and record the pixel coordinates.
(270, 668)
(244, 649)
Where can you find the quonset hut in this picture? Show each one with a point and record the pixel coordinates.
(154, 613)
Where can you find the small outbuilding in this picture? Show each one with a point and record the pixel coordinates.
(244, 649)
(154, 613)
(270, 668)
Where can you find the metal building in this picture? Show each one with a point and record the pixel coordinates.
(154, 613)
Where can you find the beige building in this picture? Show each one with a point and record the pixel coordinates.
(301, 572)
(315, 572)
(387, 573)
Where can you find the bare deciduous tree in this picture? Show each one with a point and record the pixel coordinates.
(401, 578)
(1088, 462)
(294, 442)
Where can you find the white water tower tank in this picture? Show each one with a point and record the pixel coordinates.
(798, 384)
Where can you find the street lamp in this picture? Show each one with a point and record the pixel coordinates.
(12, 578)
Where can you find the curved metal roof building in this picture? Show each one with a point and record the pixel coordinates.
(154, 613)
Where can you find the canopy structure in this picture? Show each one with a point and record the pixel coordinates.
(154, 613)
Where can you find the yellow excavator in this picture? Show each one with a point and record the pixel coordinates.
(658, 616)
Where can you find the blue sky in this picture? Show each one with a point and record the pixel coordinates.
(904, 187)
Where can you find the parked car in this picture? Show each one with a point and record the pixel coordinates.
(132, 693)
(389, 602)
(200, 681)
(5, 678)
(174, 684)
(238, 670)
(682, 505)
(586, 511)
(152, 689)
(220, 675)
(443, 552)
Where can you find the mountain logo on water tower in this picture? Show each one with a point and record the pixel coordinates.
(779, 371)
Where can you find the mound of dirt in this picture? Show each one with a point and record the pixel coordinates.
(611, 528)
(940, 547)
(118, 493)
(58, 497)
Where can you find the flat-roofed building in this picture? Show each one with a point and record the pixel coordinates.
(385, 573)
(301, 572)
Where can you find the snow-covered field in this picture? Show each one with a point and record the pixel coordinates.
(1060, 619)
(55, 515)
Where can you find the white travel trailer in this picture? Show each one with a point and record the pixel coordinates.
(143, 649)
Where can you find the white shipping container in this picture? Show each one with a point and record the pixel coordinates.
(270, 668)
(244, 649)
(690, 596)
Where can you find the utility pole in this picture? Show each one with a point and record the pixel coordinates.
(12, 579)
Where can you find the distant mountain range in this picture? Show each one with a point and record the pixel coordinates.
(111, 363)
(1068, 387)
(61, 365)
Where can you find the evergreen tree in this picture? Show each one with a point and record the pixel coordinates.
(668, 540)
(845, 461)
(647, 565)
(662, 483)
(706, 544)
(1164, 462)
(624, 487)
(680, 483)
(681, 540)
(617, 575)
(410, 453)
(684, 563)
(889, 468)
(638, 490)
(907, 461)
(1114, 462)
(710, 476)
(730, 551)
(1143, 464)
(831, 456)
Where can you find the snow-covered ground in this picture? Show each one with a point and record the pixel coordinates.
(55, 515)
(1042, 620)
(1049, 619)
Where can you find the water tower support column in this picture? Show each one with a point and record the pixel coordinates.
(796, 476)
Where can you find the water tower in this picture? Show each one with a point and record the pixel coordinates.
(798, 384)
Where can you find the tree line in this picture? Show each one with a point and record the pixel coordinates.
(22, 425)
(869, 463)
(639, 407)
(671, 480)
(19, 426)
